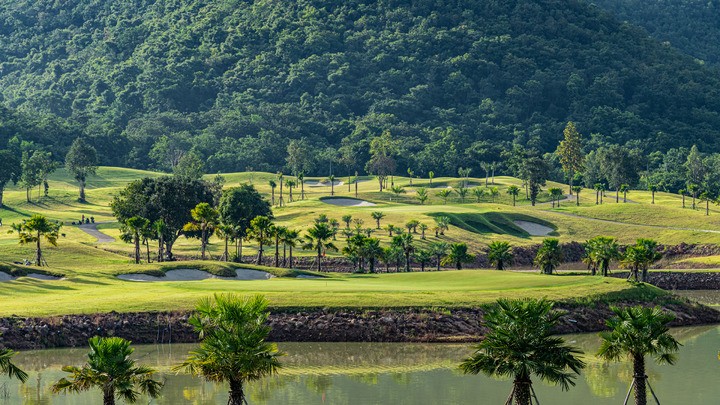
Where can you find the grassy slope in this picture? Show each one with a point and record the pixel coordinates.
(90, 284)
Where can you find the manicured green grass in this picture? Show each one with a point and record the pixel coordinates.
(88, 293)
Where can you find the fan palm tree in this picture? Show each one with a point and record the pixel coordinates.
(521, 342)
(34, 230)
(439, 250)
(639, 257)
(600, 251)
(207, 217)
(514, 191)
(371, 251)
(397, 190)
(423, 257)
(132, 231)
(431, 175)
(599, 189)
(404, 242)
(290, 183)
(654, 188)
(637, 332)
(494, 193)
(458, 255)
(423, 227)
(225, 232)
(347, 219)
(233, 345)
(577, 190)
(421, 195)
(301, 179)
(555, 194)
(443, 224)
(332, 184)
(444, 194)
(462, 191)
(479, 193)
(319, 238)
(377, 216)
(549, 256)
(9, 368)
(624, 188)
(290, 239)
(260, 227)
(276, 232)
(110, 368)
(280, 181)
(499, 254)
(272, 185)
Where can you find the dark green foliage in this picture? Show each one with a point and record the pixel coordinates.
(235, 82)
(239, 205)
(167, 198)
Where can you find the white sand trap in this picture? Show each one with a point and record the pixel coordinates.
(533, 228)
(6, 277)
(195, 275)
(347, 202)
(312, 183)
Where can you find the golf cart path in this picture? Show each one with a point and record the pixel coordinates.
(609, 221)
(92, 230)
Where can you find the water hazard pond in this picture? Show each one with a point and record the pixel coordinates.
(379, 373)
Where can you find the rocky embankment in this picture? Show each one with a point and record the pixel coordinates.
(399, 325)
(681, 280)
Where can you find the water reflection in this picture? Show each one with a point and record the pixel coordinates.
(380, 373)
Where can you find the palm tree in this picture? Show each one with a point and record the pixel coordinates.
(318, 238)
(639, 257)
(637, 332)
(272, 185)
(520, 342)
(347, 219)
(290, 183)
(499, 254)
(682, 192)
(234, 345)
(458, 255)
(443, 224)
(207, 216)
(549, 256)
(9, 368)
(404, 242)
(423, 257)
(439, 250)
(225, 232)
(654, 188)
(260, 227)
(462, 191)
(431, 175)
(479, 193)
(132, 231)
(412, 225)
(397, 190)
(159, 228)
(110, 368)
(421, 195)
(514, 191)
(624, 188)
(390, 228)
(280, 181)
(276, 232)
(377, 216)
(599, 189)
(555, 194)
(371, 251)
(301, 179)
(486, 166)
(444, 194)
(410, 175)
(332, 184)
(494, 192)
(423, 227)
(577, 190)
(34, 230)
(290, 239)
(600, 251)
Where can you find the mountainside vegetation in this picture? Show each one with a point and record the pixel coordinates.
(236, 84)
(693, 26)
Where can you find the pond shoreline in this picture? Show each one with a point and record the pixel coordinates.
(315, 325)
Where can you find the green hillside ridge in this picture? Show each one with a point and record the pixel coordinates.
(235, 81)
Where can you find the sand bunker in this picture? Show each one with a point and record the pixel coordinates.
(347, 202)
(534, 228)
(312, 183)
(195, 275)
(307, 276)
(6, 277)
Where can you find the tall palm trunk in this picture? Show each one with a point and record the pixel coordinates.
(521, 390)
(302, 189)
(438, 263)
(291, 261)
(161, 243)
(319, 266)
(227, 253)
(137, 247)
(108, 396)
(237, 395)
(640, 382)
(407, 262)
(277, 250)
(38, 252)
(260, 251)
(203, 245)
(284, 254)
(147, 247)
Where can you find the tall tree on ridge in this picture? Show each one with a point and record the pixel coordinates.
(570, 152)
(82, 161)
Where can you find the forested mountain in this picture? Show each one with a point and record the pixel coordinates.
(456, 82)
(693, 26)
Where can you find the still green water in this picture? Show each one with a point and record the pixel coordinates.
(379, 373)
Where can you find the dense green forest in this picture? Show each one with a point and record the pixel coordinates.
(693, 26)
(232, 83)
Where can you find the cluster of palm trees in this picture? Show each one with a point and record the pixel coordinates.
(462, 191)
(600, 251)
(521, 342)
